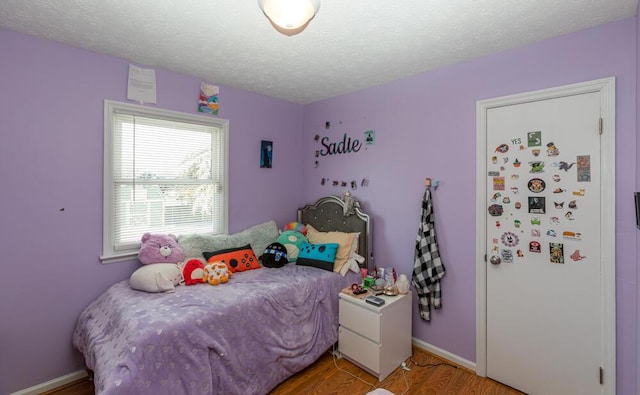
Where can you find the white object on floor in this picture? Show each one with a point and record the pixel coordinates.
(380, 391)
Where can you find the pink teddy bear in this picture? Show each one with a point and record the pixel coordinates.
(160, 248)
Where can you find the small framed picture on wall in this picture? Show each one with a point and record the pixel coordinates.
(266, 154)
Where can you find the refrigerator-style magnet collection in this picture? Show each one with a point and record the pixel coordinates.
(541, 215)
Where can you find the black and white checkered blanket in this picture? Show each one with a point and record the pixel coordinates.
(428, 269)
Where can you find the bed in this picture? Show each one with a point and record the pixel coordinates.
(242, 337)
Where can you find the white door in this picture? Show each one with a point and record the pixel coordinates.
(543, 206)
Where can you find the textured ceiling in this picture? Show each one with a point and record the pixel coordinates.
(348, 46)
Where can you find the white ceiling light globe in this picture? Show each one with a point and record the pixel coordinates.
(290, 14)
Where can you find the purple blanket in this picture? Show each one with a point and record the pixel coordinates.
(242, 337)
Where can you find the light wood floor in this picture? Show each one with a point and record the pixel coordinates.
(324, 378)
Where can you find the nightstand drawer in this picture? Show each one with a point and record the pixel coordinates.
(361, 320)
(359, 349)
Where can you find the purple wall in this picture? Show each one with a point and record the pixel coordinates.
(51, 131)
(426, 127)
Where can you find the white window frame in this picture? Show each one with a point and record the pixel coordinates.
(109, 252)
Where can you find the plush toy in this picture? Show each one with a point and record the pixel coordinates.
(160, 255)
(275, 255)
(216, 273)
(159, 277)
(193, 271)
(160, 248)
(297, 226)
(292, 240)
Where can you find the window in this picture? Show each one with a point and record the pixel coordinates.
(164, 172)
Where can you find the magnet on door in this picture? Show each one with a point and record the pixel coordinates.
(507, 255)
(556, 252)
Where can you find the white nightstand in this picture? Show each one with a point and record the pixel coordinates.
(378, 339)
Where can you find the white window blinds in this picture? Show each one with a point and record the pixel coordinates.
(167, 175)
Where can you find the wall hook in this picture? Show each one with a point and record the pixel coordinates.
(429, 183)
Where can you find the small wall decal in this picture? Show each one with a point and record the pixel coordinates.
(370, 137)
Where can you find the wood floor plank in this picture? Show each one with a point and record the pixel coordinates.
(336, 377)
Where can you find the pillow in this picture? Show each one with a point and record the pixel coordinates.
(259, 236)
(321, 256)
(237, 259)
(348, 243)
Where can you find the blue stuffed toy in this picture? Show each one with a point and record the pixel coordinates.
(292, 240)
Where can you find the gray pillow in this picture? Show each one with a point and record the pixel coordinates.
(259, 236)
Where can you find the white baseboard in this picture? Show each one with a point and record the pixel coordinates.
(444, 354)
(54, 383)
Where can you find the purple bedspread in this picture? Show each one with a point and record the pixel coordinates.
(242, 337)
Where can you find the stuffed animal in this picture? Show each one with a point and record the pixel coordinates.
(160, 255)
(159, 277)
(297, 226)
(160, 248)
(193, 271)
(216, 273)
(275, 255)
(292, 240)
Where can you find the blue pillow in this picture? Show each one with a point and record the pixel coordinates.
(321, 256)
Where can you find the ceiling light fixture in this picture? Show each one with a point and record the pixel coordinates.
(289, 16)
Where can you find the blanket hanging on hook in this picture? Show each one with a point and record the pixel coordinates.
(428, 268)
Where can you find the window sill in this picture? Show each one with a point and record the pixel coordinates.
(106, 259)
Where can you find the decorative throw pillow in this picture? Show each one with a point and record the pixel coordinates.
(347, 243)
(237, 259)
(321, 256)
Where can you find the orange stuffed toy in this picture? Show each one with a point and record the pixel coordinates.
(216, 273)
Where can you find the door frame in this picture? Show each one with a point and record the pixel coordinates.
(606, 88)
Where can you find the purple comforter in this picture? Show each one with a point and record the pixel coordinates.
(242, 337)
